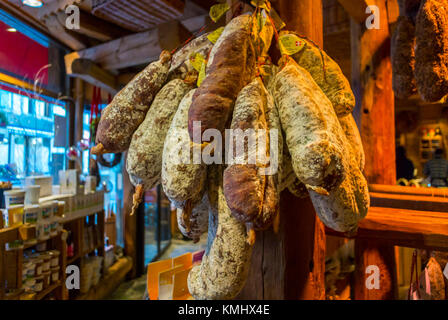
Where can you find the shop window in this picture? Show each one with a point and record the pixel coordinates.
(39, 109)
(5, 99)
(33, 135)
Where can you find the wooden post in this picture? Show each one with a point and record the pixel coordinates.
(291, 264)
(374, 113)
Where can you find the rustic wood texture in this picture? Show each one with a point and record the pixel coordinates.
(395, 189)
(405, 228)
(88, 71)
(138, 15)
(367, 253)
(132, 50)
(291, 264)
(411, 202)
(374, 113)
(372, 86)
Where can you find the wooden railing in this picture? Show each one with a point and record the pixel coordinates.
(399, 216)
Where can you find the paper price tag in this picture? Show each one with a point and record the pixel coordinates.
(218, 10)
(291, 44)
(201, 76)
(214, 36)
(445, 272)
(197, 60)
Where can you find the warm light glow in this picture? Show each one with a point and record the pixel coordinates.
(33, 3)
(11, 30)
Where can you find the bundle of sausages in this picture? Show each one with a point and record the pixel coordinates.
(420, 49)
(285, 126)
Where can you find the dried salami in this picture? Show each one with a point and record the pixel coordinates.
(231, 67)
(351, 131)
(128, 109)
(181, 63)
(431, 51)
(144, 163)
(328, 75)
(250, 188)
(346, 205)
(183, 176)
(403, 58)
(198, 223)
(225, 266)
(313, 133)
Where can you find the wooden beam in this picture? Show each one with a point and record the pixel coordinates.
(95, 27)
(291, 264)
(64, 35)
(411, 202)
(90, 72)
(53, 7)
(374, 113)
(136, 49)
(405, 228)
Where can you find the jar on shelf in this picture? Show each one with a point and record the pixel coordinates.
(15, 215)
(46, 278)
(47, 210)
(39, 285)
(54, 258)
(38, 262)
(46, 258)
(54, 274)
(31, 214)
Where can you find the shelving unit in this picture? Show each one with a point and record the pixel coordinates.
(76, 221)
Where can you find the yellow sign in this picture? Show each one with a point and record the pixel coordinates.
(291, 44)
(214, 36)
(218, 10)
(202, 74)
(197, 60)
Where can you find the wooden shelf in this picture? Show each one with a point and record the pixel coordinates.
(58, 242)
(47, 291)
(81, 213)
(109, 281)
(27, 246)
(73, 259)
